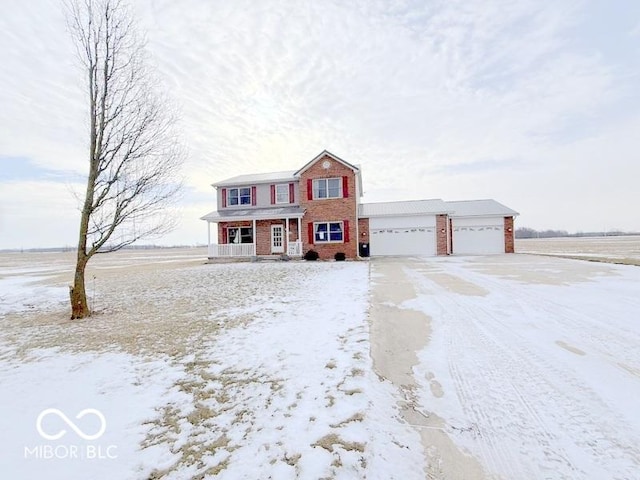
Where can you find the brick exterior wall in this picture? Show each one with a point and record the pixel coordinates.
(363, 231)
(263, 236)
(509, 235)
(329, 210)
(441, 234)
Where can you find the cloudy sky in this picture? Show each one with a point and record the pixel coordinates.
(535, 104)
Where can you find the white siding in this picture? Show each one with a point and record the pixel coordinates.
(401, 222)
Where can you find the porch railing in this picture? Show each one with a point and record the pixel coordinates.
(294, 249)
(232, 250)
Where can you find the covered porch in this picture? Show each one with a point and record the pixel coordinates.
(269, 232)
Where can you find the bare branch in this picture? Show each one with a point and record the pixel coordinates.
(134, 153)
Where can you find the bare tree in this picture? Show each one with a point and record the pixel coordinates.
(134, 153)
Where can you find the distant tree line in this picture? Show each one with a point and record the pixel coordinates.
(525, 232)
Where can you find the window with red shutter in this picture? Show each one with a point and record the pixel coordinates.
(254, 200)
(291, 193)
(224, 198)
(346, 230)
(309, 189)
(345, 187)
(273, 194)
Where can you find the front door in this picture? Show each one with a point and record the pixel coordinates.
(277, 239)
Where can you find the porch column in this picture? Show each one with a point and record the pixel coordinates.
(286, 245)
(299, 228)
(208, 238)
(255, 238)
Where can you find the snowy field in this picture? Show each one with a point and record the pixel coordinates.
(499, 367)
(624, 250)
(251, 370)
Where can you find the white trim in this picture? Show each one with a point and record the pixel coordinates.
(294, 249)
(276, 193)
(313, 188)
(322, 154)
(240, 205)
(328, 223)
(275, 248)
(253, 232)
(232, 250)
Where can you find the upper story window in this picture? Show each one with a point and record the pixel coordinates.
(239, 196)
(282, 193)
(327, 188)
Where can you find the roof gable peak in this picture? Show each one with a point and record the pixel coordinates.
(326, 153)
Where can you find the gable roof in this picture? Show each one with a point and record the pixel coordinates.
(287, 176)
(328, 154)
(477, 208)
(413, 207)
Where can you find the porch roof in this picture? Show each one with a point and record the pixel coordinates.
(253, 214)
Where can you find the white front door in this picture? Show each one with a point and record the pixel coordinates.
(277, 239)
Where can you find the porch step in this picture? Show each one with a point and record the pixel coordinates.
(257, 258)
(272, 258)
(228, 259)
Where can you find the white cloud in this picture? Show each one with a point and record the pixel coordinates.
(497, 90)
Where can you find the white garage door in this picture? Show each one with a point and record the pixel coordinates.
(478, 236)
(403, 241)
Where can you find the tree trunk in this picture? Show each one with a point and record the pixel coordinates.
(77, 293)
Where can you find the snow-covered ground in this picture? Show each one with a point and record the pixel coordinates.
(254, 370)
(623, 249)
(506, 367)
(533, 362)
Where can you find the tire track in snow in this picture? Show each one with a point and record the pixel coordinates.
(517, 373)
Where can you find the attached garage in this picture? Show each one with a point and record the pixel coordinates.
(435, 227)
(480, 227)
(403, 236)
(404, 228)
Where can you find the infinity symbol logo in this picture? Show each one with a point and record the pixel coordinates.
(74, 427)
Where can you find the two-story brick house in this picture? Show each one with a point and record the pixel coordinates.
(318, 207)
(288, 212)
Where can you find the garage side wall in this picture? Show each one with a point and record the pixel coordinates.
(363, 230)
(441, 235)
(509, 244)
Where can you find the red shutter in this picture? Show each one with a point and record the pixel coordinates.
(224, 197)
(224, 235)
(309, 189)
(310, 228)
(292, 193)
(254, 200)
(273, 194)
(345, 235)
(345, 187)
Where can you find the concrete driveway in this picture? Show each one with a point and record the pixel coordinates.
(513, 366)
